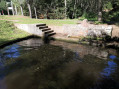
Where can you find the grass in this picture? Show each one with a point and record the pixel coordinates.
(9, 33)
(55, 22)
(89, 19)
(28, 20)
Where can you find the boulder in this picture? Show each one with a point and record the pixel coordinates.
(87, 29)
(99, 31)
(85, 23)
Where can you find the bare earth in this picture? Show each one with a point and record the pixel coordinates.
(60, 32)
(115, 32)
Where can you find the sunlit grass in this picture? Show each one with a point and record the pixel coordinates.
(28, 20)
(8, 32)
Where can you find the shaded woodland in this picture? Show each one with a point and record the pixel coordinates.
(101, 10)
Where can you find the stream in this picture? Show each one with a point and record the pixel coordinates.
(32, 64)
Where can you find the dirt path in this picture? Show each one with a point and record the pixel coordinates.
(115, 32)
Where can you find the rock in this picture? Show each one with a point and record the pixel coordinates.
(85, 23)
(85, 29)
(104, 54)
(94, 33)
(108, 30)
(99, 31)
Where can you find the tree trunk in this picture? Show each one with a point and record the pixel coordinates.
(100, 16)
(65, 9)
(29, 10)
(2, 12)
(8, 11)
(57, 13)
(46, 14)
(15, 9)
(100, 11)
(35, 12)
(12, 8)
(74, 12)
(21, 10)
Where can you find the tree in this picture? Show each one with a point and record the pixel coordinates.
(18, 4)
(29, 2)
(15, 3)
(3, 6)
(57, 9)
(65, 9)
(21, 2)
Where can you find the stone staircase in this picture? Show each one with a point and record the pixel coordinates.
(45, 30)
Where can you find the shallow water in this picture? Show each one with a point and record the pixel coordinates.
(31, 64)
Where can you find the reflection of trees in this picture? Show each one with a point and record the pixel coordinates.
(71, 75)
(92, 59)
(52, 67)
(31, 42)
(84, 50)
(37, 62)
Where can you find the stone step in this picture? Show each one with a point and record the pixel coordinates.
(51, 34)
(41, 27)
(49, 31)
(38, 25)
(46, 29)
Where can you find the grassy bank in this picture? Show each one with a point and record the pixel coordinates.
(9, 33)
(28, 20)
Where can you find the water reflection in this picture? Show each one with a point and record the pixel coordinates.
(110, 69)
(84, 50)
(112, 57)
(16, 50)
(31, 42)
(32, 64)
(12, 52)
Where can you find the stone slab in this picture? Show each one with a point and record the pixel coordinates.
(30, 28)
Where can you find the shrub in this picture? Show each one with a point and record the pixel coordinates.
(89, 16)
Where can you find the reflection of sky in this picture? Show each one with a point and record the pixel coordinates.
(77, 57)
(110, 68)
(1, 68)
(11, 52)
(112, 57)
(6, 53)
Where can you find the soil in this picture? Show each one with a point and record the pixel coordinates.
(59, 30)
(115, 32)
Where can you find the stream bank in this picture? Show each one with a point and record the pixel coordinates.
(8, 32)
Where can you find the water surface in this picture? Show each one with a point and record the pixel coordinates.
(31, 64)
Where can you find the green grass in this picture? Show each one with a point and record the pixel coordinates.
(8, 32)
(27, 20)
(89, 19)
